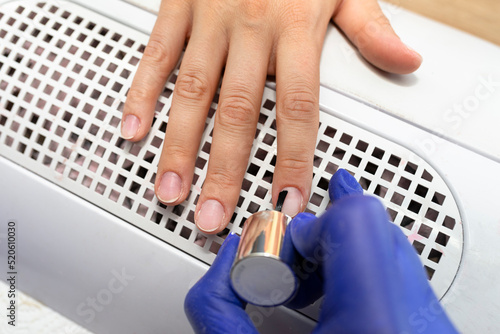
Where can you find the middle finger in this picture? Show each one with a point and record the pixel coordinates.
(235, 124)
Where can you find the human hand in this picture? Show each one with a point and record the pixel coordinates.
(370, 275)
(251, 38)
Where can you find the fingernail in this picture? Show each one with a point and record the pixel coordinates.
(169, 190)
(293, 202)
(210, 216)
(130, 126)
(415, 52)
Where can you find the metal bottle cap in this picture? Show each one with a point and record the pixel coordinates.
(259, 275)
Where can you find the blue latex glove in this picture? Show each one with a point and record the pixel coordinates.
(371, 277)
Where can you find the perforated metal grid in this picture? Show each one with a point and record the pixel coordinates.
(64, 75)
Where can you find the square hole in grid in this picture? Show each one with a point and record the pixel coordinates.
(322, 146)
(442, 239)
(407, 223)
(397, 198)
(387, 175)
(100, 188)
(380, 191)
(364, 183)
(261, 192)
(430, 272)
(425, 230)
(171, 225)
(47, 161)
(214, 247)
(371, 168)
(316, 199)
(435, 255)
(392, 214)
(432, 214)
(200, 240)
(190, 216)
(411, 168)
(330, 132)
(354, 160)
(185, 232)
(414, 206)
(404, 183)
(378, 153)
(316, 162)
(134, 187)
(438, 198)
(346, 138)
(427, 176)
(87, 181)
(178, 210)
(156, 217)
(419, 247)
(339, 153)
(253, 207)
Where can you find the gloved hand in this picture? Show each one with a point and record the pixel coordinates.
(371, 277)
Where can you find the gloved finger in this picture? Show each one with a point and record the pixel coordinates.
(343, 184)
(211, 305)
(362, 280)
(310, 283)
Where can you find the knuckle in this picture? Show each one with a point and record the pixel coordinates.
(299, 105)
(137, 95)
(192, 85)
(254, 13)
(222, 178)
(156, 51)
(176, 150)
(371, 28)
(296, 15)
(236, 110)
(255, 8)
(297, 165)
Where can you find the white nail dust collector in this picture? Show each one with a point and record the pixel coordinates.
(83, 200)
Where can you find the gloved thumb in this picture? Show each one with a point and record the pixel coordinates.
(305, 229)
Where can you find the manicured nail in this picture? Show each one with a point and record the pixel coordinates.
(293, 202)
(169, 190)
(130, 126)
(210, 216)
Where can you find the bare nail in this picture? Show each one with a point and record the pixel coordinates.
(210, 216)
(130, 126)
(169, 190)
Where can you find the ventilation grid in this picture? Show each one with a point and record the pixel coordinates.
(64, 75)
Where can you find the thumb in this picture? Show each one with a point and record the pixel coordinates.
(367, 27)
